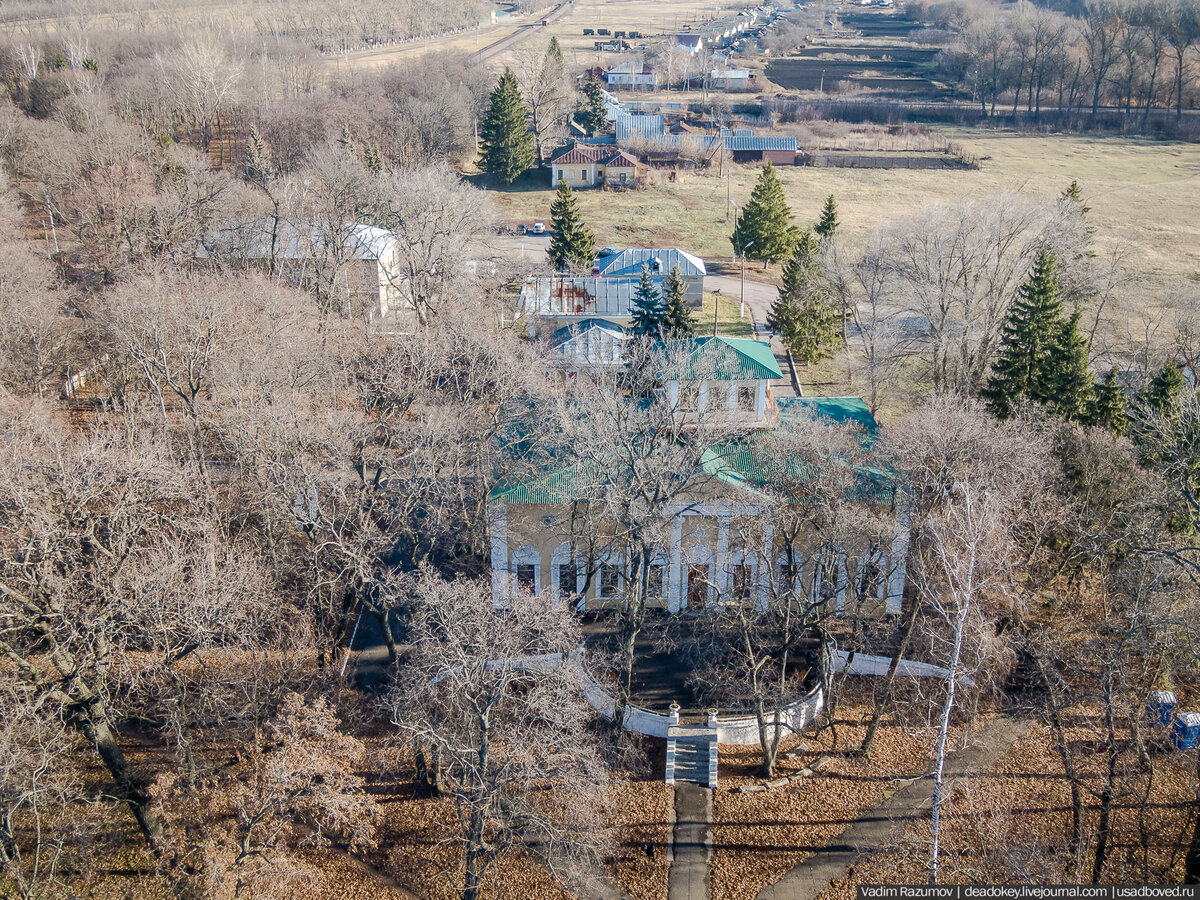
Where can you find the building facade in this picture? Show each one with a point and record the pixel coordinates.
(715, 550)
(594, 165)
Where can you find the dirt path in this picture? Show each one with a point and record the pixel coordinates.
(881, 825)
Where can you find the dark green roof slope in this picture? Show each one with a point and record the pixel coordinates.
(719, 358)
(838, 410)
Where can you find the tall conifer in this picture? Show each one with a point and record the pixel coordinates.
(507, 145)
(1071, 386)
(1109, 409)
(764, 228)
(1028, 339)
(1074, 194)
(677, 321)
(647, 308)
(1164, 389)
(828, 222)
(591, 114)
(572, 243)
(799, 278)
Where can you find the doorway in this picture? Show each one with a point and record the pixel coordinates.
(697, 586)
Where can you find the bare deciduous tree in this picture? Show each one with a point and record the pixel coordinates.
(490, 691)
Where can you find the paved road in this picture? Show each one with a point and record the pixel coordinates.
(524, 31)
(882, 825)
(759, 295)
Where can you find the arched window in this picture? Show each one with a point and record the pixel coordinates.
(871, 576)
(526, 569)
(788, 573)
(610, 576)
(743, 576)
(566, 575)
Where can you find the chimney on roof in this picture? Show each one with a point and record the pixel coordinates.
(656, 264)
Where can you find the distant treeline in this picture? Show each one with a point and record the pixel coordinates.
(1126, 62)
(330, 26)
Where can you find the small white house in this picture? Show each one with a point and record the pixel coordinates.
(630, 76)
(730, 79)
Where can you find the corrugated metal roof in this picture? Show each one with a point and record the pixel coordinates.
(838, 410)
(575, 329)
(720, 359)
(562, 295)
(734, 142)
(631, 127)
(630, 68)
(580, 154)
(629, 262)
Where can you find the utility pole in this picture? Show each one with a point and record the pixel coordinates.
(742, 314)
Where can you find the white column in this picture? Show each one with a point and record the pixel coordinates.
(898, 561)
(721, 575)
(498, 527)
(674, 576)
(702, 396)
(766, 567)
(760, 399)
(731, 397)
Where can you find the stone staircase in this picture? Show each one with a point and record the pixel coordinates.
(691, 756)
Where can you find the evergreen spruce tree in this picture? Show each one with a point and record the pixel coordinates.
(828, 222)
(647, 308)
(799, 280)
(591, 114)
(1075, 195)
(572, 243)
(807, 323)
(374, 159)
(1164, 389)
(677, 321)
(346, 141)
(555, 50)
(1033, 327)
(764, 229)
(1070, 381)
(781, 317)
(1109, 409)
(507, 145)
(815, 331)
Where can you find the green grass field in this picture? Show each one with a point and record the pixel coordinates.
(728, 323)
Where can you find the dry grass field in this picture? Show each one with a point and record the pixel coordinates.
(1143, 196)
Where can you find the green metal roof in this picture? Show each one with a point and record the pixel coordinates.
(750, 464)
(551, 488)
(719, 359)
(838, 410)
(753, 464)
